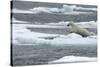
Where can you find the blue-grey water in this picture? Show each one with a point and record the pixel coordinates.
(42, 54)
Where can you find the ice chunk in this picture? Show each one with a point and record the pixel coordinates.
(69, 59)
(15, 10)
(14, 20)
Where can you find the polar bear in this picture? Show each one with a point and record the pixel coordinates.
(76, 29)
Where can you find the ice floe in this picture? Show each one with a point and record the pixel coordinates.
(66, 9)
(21, 35)
(71, 59)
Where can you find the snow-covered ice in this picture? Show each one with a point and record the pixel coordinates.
(15, 10)
(69, 59)
(22, 36)
(44, 9)
(90, 24)
(14, 20)
(66, 9)
(61, 24)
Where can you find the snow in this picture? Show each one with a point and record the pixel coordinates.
(44, 9)
(74, 41)
(61, 24)
(15, 10)
(14, 20)
(68, 59)
(23, 36)
(66, 9)
(90, 24)
(81, 8)
(38, 26)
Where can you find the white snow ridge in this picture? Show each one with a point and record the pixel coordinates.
(71, 59)
(15, 10)
(14, 20)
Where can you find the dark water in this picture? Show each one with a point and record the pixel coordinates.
(42, 54)
(42, 18)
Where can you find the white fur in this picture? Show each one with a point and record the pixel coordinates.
(76, 29)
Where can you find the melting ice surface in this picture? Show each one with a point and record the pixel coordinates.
(23, 36)
(67, 59)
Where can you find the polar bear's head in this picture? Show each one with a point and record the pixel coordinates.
(72, 24)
